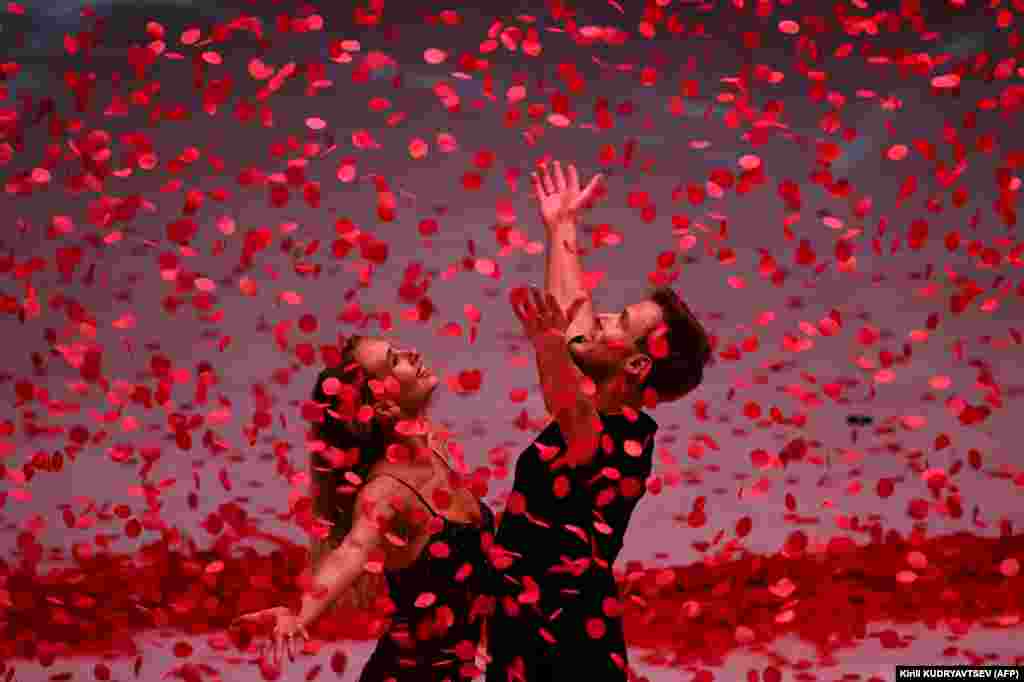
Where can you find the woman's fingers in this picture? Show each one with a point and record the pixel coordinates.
(280, 644)
(287, 643)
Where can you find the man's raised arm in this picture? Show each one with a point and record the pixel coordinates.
(562, 205)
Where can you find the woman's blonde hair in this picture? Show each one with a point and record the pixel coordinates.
(334, 487)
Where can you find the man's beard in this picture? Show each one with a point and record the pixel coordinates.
(597, 371)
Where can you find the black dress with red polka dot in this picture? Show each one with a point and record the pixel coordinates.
(436, 628)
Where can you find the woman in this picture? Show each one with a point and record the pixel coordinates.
(389, 498)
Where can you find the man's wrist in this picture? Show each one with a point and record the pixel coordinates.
(549, 340)
(562, 227)
(563, 237)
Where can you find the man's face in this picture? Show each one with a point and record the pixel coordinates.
(613, 339)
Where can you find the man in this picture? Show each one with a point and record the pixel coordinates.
(558, 615)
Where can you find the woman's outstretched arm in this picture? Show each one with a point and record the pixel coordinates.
(373, 515)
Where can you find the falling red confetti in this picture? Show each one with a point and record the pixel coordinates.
(194, 587)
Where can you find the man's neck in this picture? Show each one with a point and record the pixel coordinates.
(612, 398)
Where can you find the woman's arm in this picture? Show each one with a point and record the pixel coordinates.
(373, 515)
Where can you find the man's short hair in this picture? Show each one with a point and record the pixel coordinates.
(680, 370)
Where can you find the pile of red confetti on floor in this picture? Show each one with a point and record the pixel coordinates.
(829, 596)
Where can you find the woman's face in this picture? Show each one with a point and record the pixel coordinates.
(383, 358)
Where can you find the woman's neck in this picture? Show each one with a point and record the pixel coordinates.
(423, 436)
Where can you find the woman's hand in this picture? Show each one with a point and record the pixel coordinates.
(543, 320)
(560, 198)
(286, 628)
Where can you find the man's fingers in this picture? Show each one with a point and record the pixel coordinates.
(517, 296)
(540, 311)
(555, 310)
(520, 299)
(538, 188)
(559, 177)
(591, 190)
(574, 309)
(545, 179)
(527, 317)
(517, 308)
(538, 303)
(531, 317)
(574, 180)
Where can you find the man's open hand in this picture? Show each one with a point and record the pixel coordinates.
(560, 199)
(542, 318)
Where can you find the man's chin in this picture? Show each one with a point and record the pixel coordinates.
(593, 370)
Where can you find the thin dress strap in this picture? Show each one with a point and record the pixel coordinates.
(414, 491)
